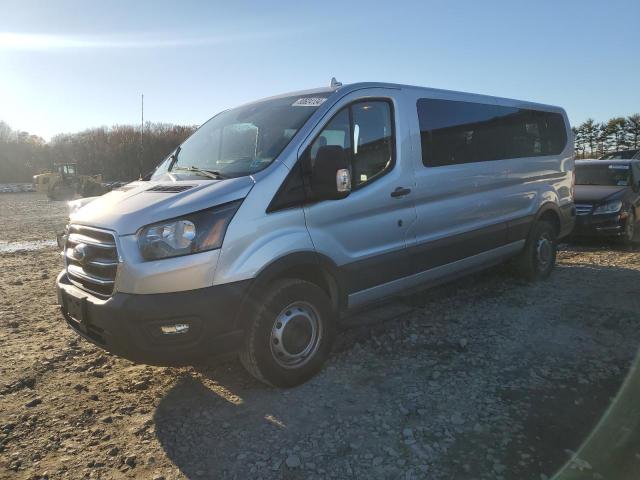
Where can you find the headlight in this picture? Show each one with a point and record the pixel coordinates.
(193, 233)
(609, 207)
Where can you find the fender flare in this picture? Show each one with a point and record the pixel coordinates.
(548, 206)
(305, 262)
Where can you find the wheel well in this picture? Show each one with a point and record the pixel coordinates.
(552, 217)
(317, 275)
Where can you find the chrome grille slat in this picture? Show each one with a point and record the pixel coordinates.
(97, 262)
(91, 259)
(79, 238)
(103, 263)
(77, 271)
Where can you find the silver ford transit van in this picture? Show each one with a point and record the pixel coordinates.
(276, 219)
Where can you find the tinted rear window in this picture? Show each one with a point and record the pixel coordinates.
(615, 175)
(454, 132)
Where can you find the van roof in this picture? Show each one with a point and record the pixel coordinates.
(348, 88)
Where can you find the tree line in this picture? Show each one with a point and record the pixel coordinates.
(593, 139)
(119, 153)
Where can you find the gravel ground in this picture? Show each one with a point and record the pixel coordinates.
(487, 377)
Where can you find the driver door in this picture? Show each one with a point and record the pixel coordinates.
(367, 233)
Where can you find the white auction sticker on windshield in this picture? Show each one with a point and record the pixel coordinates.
(619, 167)
(308, 102)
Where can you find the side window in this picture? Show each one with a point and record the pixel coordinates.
(68, 169)
(365, 131)
(372, 140)
(335, 133)
(454, 132)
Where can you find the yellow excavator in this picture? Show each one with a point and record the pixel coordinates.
(64, 183)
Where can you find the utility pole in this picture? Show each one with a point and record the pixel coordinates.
(140, 163)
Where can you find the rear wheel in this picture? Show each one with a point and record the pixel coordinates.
(289, 335)
(539, 255)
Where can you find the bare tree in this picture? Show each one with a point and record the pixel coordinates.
(114, 151)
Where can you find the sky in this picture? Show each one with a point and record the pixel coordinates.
(70, 65)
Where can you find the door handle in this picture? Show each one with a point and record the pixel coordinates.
(400, 192)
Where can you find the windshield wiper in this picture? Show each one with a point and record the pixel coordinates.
(174, 157)
(201, 171)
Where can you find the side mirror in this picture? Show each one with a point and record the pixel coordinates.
(330, 174)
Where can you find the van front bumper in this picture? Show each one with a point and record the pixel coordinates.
(151, 328)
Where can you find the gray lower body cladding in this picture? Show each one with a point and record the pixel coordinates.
(416, 259)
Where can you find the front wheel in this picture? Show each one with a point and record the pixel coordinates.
(539, 255)
(290, 333)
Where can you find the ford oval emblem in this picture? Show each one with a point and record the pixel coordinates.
(80, 252)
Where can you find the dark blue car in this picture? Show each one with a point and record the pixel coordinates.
(607, 199)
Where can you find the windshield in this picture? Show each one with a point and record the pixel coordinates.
(607, 174)
(623, 155)
(243, 140)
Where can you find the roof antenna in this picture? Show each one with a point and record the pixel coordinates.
(335, 83)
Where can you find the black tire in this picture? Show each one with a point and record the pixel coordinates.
(280, 348)
(538, 258)
(60, 191)
(630, 235)
(92, 189)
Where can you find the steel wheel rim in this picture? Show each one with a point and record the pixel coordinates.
(295, 335)
(544, 251)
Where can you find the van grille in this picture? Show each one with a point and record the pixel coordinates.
(583, 208)
(91, 259)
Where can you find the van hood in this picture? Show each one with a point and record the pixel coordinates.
(127, 208)
(598, 193)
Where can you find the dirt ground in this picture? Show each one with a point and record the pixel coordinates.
(28, 217)
(487, 377)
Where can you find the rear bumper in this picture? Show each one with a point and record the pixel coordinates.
(130, 325)
(599, 226)
(567, 219)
